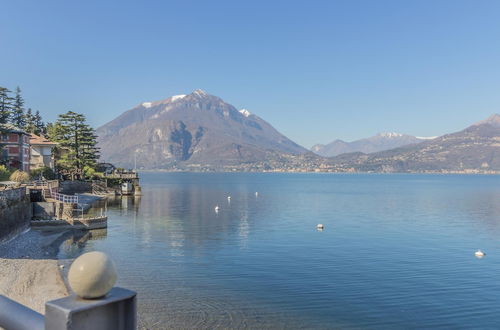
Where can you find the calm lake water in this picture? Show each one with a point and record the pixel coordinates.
(397, 251)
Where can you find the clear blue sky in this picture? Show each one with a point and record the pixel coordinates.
(316, 70)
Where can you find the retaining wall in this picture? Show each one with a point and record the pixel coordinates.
(75, 223)
(15, 212)
(44, 210)
(74, 187)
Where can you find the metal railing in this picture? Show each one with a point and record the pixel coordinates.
(44, 184)
(18, 317)
(122, 175)
(39, 183)
(99, 306)
(64, 198)
(80, 213)
(115, 311)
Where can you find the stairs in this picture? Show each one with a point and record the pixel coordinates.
(99, 188)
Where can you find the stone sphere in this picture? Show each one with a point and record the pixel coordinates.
(92, 275)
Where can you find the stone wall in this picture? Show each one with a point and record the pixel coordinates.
(15, 212)
(44, 210)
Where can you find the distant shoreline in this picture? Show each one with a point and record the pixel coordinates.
(326, 172)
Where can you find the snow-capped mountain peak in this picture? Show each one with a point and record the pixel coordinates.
(173, 132)
(200, 92)
(379, 142)
(426, 137)
(390, 134)
(177, 97)
(245, 112)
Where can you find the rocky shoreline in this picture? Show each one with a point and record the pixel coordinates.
(29, 269)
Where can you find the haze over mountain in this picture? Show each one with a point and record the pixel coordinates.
(198, 128)
(476, 148)
(379, 142)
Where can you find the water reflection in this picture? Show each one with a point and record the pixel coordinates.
(396, 250)
(75, 241)
(179, 216)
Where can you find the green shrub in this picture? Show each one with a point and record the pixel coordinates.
(19, 176)
(5, 173)
(89, 172)
(45, 171)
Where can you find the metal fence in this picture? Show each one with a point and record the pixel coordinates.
(64, 198)
(115, 311)
(44, 184)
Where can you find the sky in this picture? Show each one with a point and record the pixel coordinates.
(315, 70)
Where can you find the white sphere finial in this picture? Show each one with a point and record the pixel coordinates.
(92, 275)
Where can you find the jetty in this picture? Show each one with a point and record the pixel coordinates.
(61, 205)
(124, 182)
(55, 210)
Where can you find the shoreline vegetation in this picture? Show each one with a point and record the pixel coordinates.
(311, 171)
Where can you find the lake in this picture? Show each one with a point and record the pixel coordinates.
(397, 251)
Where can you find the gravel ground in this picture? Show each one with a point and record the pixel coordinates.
(29, 270)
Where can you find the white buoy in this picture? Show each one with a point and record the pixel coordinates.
(256, 193)
(479, 254)
(320, 226)
(216, 209)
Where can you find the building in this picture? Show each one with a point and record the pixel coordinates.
(14, 147)
(41, 153)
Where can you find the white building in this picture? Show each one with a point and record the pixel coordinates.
(41, 152)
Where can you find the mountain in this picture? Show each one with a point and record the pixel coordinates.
(379, 142)
(474, 149)
(198, 129)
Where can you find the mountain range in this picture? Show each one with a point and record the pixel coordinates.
(379, 142)
(197, 129)
(474, 149)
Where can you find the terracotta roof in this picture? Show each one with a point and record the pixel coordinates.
(40, 140)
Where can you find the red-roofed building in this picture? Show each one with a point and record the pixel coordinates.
(41, 152)
(15, 148)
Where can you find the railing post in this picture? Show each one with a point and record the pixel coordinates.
(96, 304)
(115, 311)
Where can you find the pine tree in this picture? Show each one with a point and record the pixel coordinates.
(40, 127)
(30, 126)
(5, 105)
(17, 115)
(77, 141)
